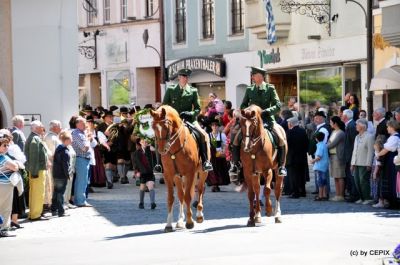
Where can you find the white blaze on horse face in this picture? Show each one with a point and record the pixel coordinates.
(159, 129)
(246, 143)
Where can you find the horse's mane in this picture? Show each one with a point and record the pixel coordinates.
(171, 113)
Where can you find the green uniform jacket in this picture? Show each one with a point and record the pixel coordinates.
(36, 154)
(265, 97)
(188, 100)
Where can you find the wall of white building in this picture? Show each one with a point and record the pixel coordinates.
(44, 37)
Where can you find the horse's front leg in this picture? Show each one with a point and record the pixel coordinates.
(179, 188)
(200, 189)
(267, 193)
(256, 188)
(170, 203)
(278, 193)
(189, 192)
(250, 196)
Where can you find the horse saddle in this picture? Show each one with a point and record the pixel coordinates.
(273, 137)
(193, 131)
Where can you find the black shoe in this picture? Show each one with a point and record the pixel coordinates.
(115, 179)
(207, 166)
(141, 205)
(125, 180)
(294, 196)
(153, 206)
(314, 192)
(91, 190)
(282, 171)
(64, 215)
(162, 181)
(53, 213)
(109, 185)
(195, 203)
(16, 225)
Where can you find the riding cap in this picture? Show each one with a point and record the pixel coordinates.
(257, 70)
(185, 72)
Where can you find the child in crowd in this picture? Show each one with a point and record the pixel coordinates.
(61, 173)
(321, 165)
(144, 158)
(375, 180)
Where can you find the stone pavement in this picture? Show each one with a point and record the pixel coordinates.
(115, 231)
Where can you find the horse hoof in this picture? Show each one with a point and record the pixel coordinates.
(179, 225)
(168, 229)
(278, 220)
(189, 225)
(258, 220)
(268, 214)
(251, 223)
(199, 219)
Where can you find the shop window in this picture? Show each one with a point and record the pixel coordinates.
(149, 8)
(124, 10)
(180, 21)
(107, 12)
(208, 19)
(91, 11)
(237, 13)
(118, 88)
(320, 88)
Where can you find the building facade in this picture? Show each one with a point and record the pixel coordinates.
(386, 82)
(115, 67)
(320, 53)
(38, 73)
(210, 38)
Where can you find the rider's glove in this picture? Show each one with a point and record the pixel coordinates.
(266, 112)
(186, 115)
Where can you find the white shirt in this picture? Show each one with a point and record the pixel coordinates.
(52, 141)
(392, 143)
(324, 131)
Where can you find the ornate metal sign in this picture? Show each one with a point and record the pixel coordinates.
(88, 51)
(319, 10)
(212, 65)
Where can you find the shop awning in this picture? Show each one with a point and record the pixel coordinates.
(390, 24)
(386, 79)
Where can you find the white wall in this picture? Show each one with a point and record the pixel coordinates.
(45, 65)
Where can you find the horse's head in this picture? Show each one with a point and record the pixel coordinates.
(164, 126)
(251, 125)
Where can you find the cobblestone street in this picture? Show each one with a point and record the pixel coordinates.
(115, 231)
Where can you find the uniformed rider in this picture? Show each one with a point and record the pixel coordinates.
(263, 95)
(185, 100)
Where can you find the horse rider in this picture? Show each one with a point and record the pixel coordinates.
(185, 100)
(263, 95)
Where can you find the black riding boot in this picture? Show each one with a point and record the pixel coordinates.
(281, 160)
(235, 166)
(207, 166)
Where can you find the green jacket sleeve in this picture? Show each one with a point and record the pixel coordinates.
(33, 163)
(196, 104)
(275, 102)
(245, 101)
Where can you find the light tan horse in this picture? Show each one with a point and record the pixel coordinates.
(258, 157)
(181, 163)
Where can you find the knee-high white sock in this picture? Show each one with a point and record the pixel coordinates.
(121, 170)
(109, 175)
(152, 196)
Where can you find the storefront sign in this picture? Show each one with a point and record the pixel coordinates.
(269, 58)
(319, 53)
(206, 64)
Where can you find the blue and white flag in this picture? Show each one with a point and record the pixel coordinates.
(271, 37)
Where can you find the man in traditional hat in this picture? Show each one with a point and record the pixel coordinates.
(123, 112)
(185, 100)
(263, 95)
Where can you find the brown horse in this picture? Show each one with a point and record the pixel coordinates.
(181, 162)
(259, 160)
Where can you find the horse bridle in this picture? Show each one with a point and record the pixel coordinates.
(253, 142)
(170, 139)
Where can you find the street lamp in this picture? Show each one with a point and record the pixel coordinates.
(161, 55)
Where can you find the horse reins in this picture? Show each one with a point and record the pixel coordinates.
(253, 144)
(171, 140)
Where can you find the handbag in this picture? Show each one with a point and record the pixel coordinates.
(14, 178)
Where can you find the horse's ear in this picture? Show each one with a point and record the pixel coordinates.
(243, 113)
(152, 113)
(253, 113)
(163, 113)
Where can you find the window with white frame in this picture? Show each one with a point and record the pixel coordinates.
(208, 19)
(124, 10)
(91, 11)
(149, 8)
(180, 21)
(237, 16)
(107, 12)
